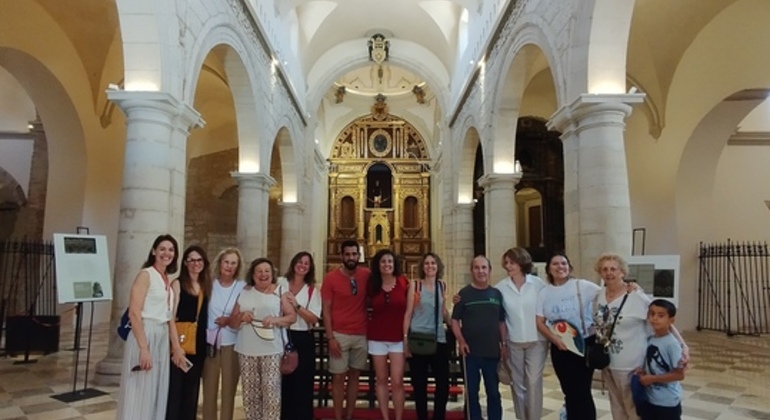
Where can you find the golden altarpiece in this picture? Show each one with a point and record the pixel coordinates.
(379, 189)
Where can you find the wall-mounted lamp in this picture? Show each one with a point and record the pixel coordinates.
(517, 167)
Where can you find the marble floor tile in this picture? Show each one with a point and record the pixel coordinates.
(728, 379)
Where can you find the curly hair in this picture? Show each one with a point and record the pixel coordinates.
(375, 277)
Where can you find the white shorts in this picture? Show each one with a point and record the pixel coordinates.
(382, 348)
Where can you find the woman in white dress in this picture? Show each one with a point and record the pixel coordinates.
(152, 342)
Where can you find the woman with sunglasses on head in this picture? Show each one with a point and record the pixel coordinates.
(297, 387)
(221, 361)
(193, 288)
(387, 290)
(152, 342)
(423, 315)
(261, 314)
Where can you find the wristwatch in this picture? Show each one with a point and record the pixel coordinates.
(298, 306)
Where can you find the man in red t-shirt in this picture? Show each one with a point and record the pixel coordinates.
(343, 294)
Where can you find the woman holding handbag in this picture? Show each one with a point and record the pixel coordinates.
(193, 286)
(425, 314)
(297, 387)
(260, 315)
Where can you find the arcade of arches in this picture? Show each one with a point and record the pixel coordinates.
(275, 127)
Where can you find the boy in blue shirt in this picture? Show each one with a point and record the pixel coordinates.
(661, 373)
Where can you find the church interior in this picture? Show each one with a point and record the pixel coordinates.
(462, 127)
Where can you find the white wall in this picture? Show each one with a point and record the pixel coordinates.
(740, 191)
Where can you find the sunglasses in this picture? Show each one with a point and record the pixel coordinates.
(353, 286)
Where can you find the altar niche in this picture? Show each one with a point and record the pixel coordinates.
(379, 190)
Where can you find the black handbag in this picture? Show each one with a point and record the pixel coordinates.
(598, 354)
(425, 344)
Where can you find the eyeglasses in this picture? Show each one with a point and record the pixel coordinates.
(353, 286)
(194, 260)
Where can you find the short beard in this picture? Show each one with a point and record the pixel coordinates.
(350, 264)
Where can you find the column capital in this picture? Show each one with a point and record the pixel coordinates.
(159, 107)
(253, 180)
(497, 181)
(594, 109)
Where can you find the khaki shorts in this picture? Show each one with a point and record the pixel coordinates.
(354, 353)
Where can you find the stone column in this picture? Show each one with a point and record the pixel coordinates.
(597, 207)
(293, 239)
(500, 195)
(146, 210)
(253, 203)
(462, 244)
(38, 182)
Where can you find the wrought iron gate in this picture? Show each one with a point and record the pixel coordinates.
(27, 281)
(734, 288)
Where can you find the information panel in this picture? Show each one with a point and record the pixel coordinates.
(82, 268)
(657, 275)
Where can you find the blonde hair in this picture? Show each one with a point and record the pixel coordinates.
(622, 264)
(218, 262)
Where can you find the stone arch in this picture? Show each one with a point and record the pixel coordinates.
(600, 35)
(522, 65)
(698, 165)
(68, 162)
(243, 81)
(344, 58)
(10, 190)
(467, 156)
(289, 165)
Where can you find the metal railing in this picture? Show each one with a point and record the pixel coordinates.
(27, 279)
(734, 288)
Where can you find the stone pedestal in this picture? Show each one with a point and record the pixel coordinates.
(253, 203)
(500, 196)
(293, 239)
(596, 199)
(153, 184)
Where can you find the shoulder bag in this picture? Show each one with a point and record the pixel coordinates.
(598, 354)
(425, 344)
(290, 357)
(188, 331)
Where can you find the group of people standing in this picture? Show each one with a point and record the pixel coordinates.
(241, 327)
(244, 325)
(370, 311)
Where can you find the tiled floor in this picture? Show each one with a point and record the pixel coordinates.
(729, 378)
